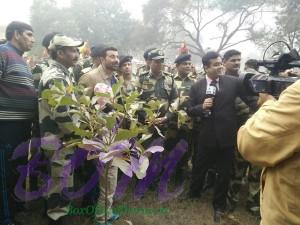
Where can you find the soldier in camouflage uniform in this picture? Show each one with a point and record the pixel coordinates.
(145, 67)
(44, 64)
(184, 80)
(242, 169)
(126, 75)
(53, 124)
(158, 84)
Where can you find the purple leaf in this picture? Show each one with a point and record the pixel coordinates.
(154, 149)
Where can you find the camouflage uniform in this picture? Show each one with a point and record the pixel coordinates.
(184, 132)
(243, 170)
(38, 70)
(128, 85)
(83, 66)
(161, 88)
(142, 70)
(53, 124)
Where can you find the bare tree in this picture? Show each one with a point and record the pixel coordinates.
(287, 26)
(200, 22)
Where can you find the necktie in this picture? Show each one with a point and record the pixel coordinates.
(215, 84)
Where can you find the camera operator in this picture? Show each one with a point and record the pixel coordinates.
(273, 130)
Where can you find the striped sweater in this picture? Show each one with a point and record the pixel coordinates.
(18, 98)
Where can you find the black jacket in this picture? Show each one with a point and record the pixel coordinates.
(220, 128)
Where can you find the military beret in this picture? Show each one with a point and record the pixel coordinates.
(64, 41)
(97, 50)
(124, 59)
(156, 54)
(47, 38)
(182, 58)
(146, 53)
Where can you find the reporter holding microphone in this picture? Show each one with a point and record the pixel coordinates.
(212, 98)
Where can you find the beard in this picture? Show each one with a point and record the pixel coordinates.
(113, 67)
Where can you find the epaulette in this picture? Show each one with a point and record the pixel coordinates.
(192, 76)
(141, 67)
(86, 70)
(168, 74)
(144, 73)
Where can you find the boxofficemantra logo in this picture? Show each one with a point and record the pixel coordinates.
(160, 166)
(91, 210)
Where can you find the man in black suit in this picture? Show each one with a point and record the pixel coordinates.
(217, 129)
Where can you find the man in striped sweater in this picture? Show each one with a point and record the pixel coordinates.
(18, 106)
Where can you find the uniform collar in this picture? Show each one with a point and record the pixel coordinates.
(177, 77)
(156, 77)
(59, 65)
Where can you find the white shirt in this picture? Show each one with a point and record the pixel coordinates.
(209, 80)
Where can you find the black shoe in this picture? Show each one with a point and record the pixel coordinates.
(218, 214)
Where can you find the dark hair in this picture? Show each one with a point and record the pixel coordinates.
(230, 53)
(47, 38)
(252, 63)
(106, 49)
(16, 26)
(53, 52)
(2, 41)
(209, 56)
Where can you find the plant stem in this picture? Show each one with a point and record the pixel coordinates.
(106, 187)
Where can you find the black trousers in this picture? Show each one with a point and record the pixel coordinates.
(205, 158)
(12, 133)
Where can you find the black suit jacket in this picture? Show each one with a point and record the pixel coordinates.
(220, 128)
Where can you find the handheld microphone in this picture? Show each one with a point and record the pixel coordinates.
(210, 93)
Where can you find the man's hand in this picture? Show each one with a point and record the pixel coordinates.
(208, 103)
(290, 72)
(263, 97)
(160, 120)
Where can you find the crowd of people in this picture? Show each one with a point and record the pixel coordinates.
(215, 101)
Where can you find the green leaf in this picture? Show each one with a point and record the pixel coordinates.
(60, 85)
(118, 107)
(70, 89)
(116, 88)
(66, 101)
(106, 95)
(110, 121)
(133, 97)
(133, 123)
(126, 134)
(154, 104)
(149, 112)
(82, 133)
(86, 100)
(46, 94)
